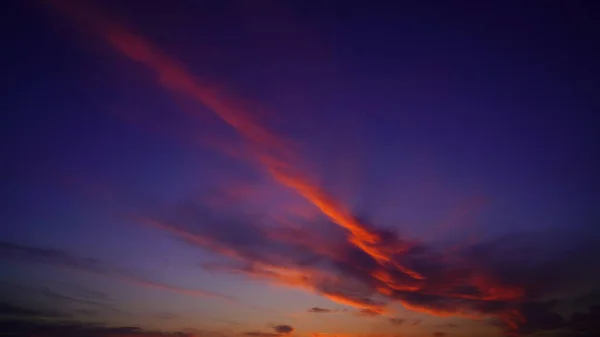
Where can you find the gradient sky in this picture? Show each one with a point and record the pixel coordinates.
(300, 168)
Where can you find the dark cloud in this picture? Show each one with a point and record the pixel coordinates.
(446, 325)
(440, 334)
(83, 292)
(44, 328)
(499, 280)
(54, 257)
(586, 322)
(319, 310)
(397, 321)
(9, 310)
(283, 329)
(544, 264)
(62, 259)
(87, 302)
(56, 296)
(261, 334)
(542, 318)
(280, 330)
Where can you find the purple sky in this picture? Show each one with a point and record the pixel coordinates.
(300, 168)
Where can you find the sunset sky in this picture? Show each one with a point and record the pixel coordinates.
(300, 168)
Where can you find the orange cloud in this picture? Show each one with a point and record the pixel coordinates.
(272, 151)
(183, 291)
(392, 277)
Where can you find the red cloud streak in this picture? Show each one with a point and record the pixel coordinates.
(277, 157)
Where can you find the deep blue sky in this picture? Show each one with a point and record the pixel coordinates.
(470, 125)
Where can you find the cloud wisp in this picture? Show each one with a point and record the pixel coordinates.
(318, 310)
(461, 284)
(62, 259)
(272, 151)
(278, 331)
(30, 326)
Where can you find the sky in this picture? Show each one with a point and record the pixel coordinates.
(300, 168)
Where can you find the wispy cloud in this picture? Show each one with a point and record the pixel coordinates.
(279, 331)
(65, 328)
(272, 151)
(457, 284)
(89, 302)
(56, 296)
(9, 310)
(368, 313)
(62, 259)
(179, 290)
(358, 265)
(397, 321)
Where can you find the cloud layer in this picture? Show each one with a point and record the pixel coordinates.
(341, 257)
(500, 280)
